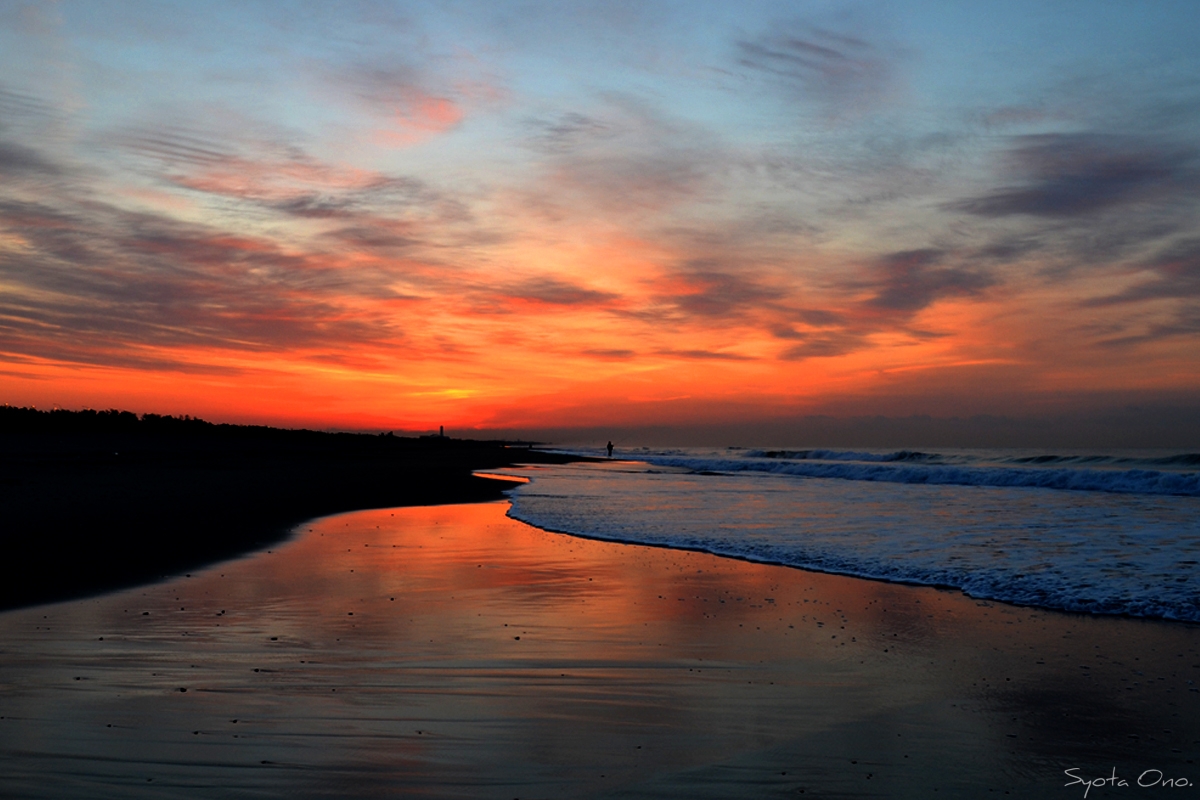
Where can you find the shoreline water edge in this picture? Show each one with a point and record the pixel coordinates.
(998, 530)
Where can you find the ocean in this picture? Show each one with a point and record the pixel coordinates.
(1088, 532)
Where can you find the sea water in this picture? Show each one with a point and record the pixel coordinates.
(1097, 533)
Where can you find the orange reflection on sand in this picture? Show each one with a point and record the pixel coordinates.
(450, 651)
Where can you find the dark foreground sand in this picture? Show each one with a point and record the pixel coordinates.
(451, 652)
(92, 510)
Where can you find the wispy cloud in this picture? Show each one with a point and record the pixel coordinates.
(555, 292)
(609, 354)
(96, 279)
(17, 161)
(14, 105)
(623, 158)
(910, 281)
(704, 291)
(845, 73)
(27, 125)
(1074, 175)
(268, 171)
(704, 355)
(404, 101)
(822, 345)
(570, 131)
(348, 206)
(1010, 116)
(1175, 275)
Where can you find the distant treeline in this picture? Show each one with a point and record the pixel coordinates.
(16, 419)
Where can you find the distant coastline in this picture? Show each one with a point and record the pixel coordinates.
(101, 500)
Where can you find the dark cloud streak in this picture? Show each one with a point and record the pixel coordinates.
(910, 281)
(1076, 175)
(18, 161)
(822, 346)
(1176, 275)
(705, 290)
(560, 293)
(704, 355)
(569, 132)
(844, 72)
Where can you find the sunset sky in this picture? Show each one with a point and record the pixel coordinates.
(523, 215)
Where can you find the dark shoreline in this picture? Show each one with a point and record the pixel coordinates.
(90, 506)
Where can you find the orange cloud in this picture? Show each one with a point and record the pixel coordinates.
(273, 180)
(417, 116)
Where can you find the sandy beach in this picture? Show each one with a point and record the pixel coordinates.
(450, 651)
(92, 505)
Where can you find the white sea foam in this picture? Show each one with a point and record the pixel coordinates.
(1103, 538)
(915, 467)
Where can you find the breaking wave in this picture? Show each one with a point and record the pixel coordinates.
(906, 466)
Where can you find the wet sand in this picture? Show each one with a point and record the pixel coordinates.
(449, 652)
(86, 512)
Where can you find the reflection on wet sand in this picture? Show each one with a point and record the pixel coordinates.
(452, 652)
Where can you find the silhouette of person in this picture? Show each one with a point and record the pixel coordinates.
(610, 449)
